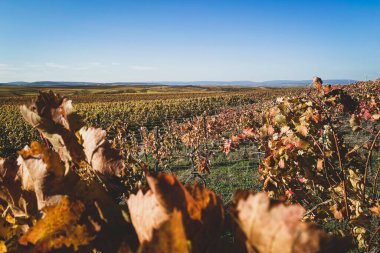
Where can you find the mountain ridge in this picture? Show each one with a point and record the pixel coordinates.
(269, 83)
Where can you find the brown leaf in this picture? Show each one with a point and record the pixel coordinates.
(56, 120)
(59, 228)
(54, 107)
(317, 81)
(320, 164)
(354, 123)
(202, 211)
(326, 89)
(41, 171)
(21, 201)
(99, 153)
(270, 227)
(169, 237)
(146, 214)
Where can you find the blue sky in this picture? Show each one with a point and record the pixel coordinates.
(109, 40)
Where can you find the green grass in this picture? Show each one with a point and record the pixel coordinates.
(226, 178)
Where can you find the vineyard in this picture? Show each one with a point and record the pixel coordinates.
(129, 111)
(281, 170)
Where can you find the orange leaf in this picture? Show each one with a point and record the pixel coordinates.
(59, 228)
(320, 164)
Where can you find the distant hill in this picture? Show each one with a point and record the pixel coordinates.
(272, 83)
(68, 84)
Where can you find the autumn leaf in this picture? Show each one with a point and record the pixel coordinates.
(41, 171)
(375, 209)
(301, 144)
(59, 228)
(338, 213)
(320, 164)
(302, 129)
(202, 212)
(249, 132)
(272, 227)
(376, 116)
(281, 163)
(317, 82)
(99, 153)
(56, 120)
(326, 89)
(146, 214)
(21, 201)
(354, 123)
(168, 237)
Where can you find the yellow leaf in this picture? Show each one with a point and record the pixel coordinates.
(303, 130)
(3, 247)
(59, 227)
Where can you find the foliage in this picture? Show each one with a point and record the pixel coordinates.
(74, 177)
(312, 159)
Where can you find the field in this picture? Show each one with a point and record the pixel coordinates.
(148, 106)
(316, 146)
(130, 107)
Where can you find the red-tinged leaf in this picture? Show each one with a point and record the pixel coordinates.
(235, 140)
(302, 180)
(301, 144)
(289, 193)
(366, 114)
(316, 117)
(248, 132)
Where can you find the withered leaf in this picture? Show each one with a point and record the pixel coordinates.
(201, 209)
(146, 214)
(21, 201)
(270, 227)
(169, 237)
(99, 153)
(41, 171)
(59, 228)
(55, 118)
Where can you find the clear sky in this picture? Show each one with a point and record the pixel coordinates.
(188, 40)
